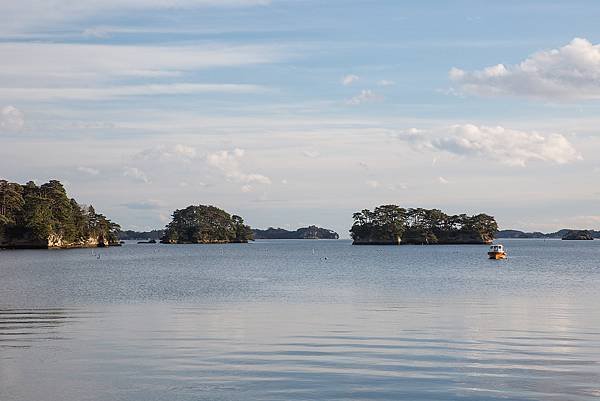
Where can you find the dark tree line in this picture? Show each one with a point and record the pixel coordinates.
(206, 224)
(37, 214)
(391, 223)
(310, 232)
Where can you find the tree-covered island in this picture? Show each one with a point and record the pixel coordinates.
(393, 225)
(206, 225)
(43, 216)
(310, 232)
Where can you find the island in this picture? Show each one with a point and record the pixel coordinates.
(536, 234)
(310, 232)
(578, 235)
(141, 235)
(394, 225)
(206, 225)
(43, 217)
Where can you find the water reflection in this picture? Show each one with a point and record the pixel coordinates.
(323, 351)
(19, 328)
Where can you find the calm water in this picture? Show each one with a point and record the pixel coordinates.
(301, 320)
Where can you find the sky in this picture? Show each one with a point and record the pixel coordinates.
(298, 112)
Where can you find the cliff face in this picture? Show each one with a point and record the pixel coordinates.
(54, 241)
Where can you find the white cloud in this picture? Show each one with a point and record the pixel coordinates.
(19, 16)
(311, 154)
(349, 79)
(373, 183)
(88, 170)
(504, 145)
(365, 96)
(571, 72)
(89, 93)
(86, 61)
(228, 162)
(11, 119)
(397, 187)
(385, 82)
(96, 32)
(145, 205)
(136, 174)
(50, 71)
(165, 153)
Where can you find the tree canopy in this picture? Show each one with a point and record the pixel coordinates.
(32, 214)
(394, 224)
(206, 224)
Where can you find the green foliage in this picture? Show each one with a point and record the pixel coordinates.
(29, 213)
(205, 224)
(384, 223)
(387, 223)
(11, 201)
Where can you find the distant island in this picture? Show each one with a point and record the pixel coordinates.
(206, 225)
(557, 234)
(578, 235)
(393, 225)
(310, 232)
(44, 217)
(141, 235)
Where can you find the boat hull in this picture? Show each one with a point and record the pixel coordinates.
(497, 255)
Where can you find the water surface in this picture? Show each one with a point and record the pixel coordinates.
(301, 320)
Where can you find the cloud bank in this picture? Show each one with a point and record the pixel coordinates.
(228, 162)
(503, 145)
(571, 72)
(18, 16)
(349, 79)
(136, 174)
(11, 119)
(365, 96)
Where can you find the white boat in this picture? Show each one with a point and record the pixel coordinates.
(497, 252)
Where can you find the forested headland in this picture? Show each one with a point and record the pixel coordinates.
(44, 216)
(394, 225)
(206, 225)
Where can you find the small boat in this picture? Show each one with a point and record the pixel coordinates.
(497, 252)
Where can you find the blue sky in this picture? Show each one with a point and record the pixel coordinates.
(300, 112)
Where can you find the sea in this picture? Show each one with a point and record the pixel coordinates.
(301, 320)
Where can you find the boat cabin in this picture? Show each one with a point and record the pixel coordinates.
(497, 248)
